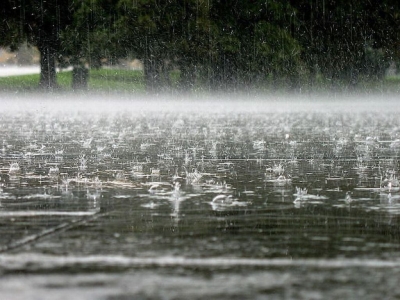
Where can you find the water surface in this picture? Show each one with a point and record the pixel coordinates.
(272, 198)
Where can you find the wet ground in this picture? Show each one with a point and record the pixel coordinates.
(225, 200)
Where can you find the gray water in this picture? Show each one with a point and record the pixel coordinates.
(170, 199)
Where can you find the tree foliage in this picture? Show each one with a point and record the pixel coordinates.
(89, 39)
(10, 27)
(347, 40)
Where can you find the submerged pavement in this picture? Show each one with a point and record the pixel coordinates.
(162, 200)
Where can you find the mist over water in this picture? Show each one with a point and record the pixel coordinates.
(280, 196)
(218, 103)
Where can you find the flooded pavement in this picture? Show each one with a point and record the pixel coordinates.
(175, 201)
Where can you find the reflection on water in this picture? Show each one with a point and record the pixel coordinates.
(223, 187)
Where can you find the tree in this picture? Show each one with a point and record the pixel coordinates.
(251, 42)
(89, 41)
(329, 30)
(43, 22)
(383, 20)
(191, 46)
(40, 23)
(347, 40)
(145, 30)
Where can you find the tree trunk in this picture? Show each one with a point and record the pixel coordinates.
(47, 67)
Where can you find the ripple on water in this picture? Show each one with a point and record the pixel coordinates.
(258, 161)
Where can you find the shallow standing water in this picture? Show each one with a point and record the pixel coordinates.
(168, 199)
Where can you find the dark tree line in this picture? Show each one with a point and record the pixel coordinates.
(221, 45)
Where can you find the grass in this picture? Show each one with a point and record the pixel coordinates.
(131, 81)
(102, 80)
(19, 83)
(116, 80)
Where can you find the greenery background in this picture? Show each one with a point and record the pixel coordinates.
(212, 45)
